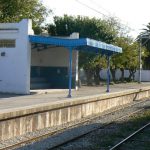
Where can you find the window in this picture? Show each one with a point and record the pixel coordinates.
(7, 43)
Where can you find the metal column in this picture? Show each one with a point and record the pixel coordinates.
(108, 73)
(70, 72)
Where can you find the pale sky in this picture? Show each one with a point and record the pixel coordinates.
(133, 13)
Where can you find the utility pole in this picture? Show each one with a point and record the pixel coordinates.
(140, 55)
(140, 64)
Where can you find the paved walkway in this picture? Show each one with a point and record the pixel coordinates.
(9, 101)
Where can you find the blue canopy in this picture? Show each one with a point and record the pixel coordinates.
(85, 44)
(77, 44)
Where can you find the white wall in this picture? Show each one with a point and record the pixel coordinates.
(15, 65)
(145, 75)
(52, 57)
(56, 57)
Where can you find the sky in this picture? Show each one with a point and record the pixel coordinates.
(132, 13)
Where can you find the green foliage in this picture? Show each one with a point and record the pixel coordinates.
(15, 10)
(120, 61)
(144, 38)
(109, 31)
(99, 61)
(93, 28)
(129, 59)
(98, 29)
(86, 60)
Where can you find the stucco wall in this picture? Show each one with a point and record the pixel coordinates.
(52, 57)
(145, 75)
(15, 65)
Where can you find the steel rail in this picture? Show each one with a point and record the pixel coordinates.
(129, 137)
(98, 128)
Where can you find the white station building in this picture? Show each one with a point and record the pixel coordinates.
(36, 62)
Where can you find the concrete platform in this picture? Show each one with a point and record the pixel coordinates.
(12, 101)
(20, 114)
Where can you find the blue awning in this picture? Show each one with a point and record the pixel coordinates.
(85, 44)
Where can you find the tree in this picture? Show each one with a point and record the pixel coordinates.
(144, 38)
(98, 29)
(132, 56)
(93, 28)
(119, 61)
(129, 59)
(92, 65)
(16, 10)
(99, 63)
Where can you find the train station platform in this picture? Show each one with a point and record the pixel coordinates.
(52, 96)
(41, 109)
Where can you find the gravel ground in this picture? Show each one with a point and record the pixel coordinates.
(104, 139)
(140, 141)
(87, 142)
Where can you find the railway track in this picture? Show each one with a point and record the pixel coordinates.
(120, 145)
(43, 136)
(98, 128)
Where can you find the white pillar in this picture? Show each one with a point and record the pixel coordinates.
(75, 35)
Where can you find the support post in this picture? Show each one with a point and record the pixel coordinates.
(77, 73)
(108, 73)
(140, 67)
(70, 72)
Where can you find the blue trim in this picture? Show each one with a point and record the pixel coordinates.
(78, 44)
(108, 73)
(70, 72)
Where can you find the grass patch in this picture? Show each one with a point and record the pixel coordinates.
(124, 130)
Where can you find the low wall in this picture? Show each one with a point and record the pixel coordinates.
(145, 75)
(20, 121)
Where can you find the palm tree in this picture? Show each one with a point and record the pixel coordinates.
(144, 38)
